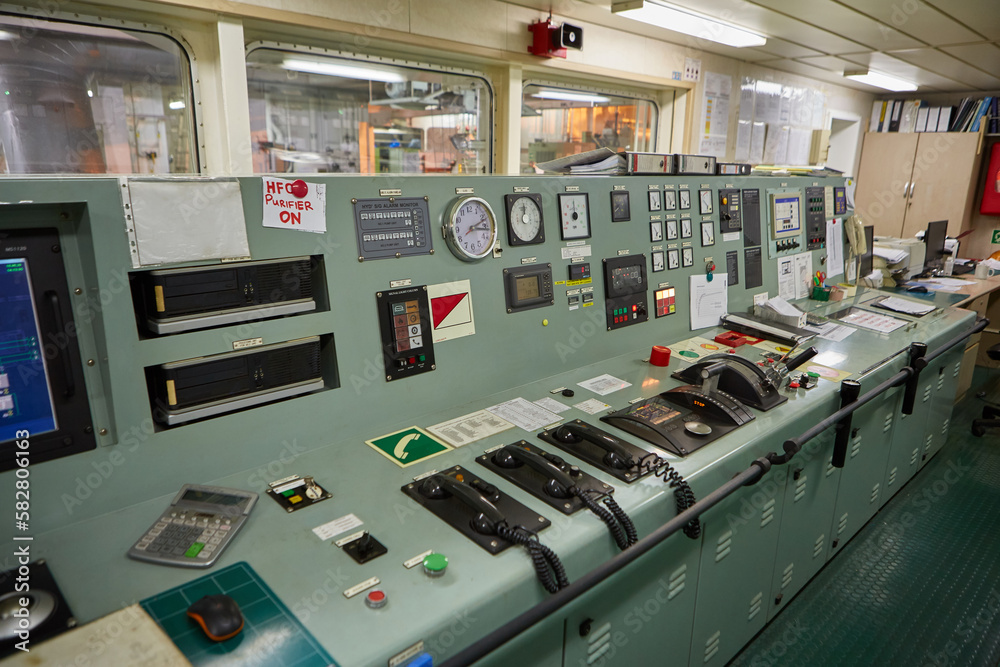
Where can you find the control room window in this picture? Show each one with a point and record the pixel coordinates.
(312, 114)
(80, 99)
(556, 122)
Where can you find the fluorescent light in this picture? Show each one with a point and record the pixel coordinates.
(6, 36)
(880, 80)
(662, 15)
(569, 97)
(346, 71)
(179, 104)
(90, 93)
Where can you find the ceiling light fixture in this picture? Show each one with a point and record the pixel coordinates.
(569, 97)
(177, 104)
(345, 71)
(663, 15)
(880, 80)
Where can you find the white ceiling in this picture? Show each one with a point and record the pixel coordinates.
(942, 45)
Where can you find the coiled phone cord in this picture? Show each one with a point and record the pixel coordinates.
(548, 568)
(624, 519)
(617, 530)
(683, 495)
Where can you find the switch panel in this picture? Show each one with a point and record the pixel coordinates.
(839, 201)
(751, 217)
(815, 211)
(405, 328)
(579, 271)
(625, 291)
(730, 216)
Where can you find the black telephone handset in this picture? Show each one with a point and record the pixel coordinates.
(616, 457)
(559, 482)
(442, 486)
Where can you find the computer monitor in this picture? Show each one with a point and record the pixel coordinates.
(934, 239)
(865, 261)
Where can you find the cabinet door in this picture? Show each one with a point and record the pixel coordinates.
(886, 166)
(944, 180)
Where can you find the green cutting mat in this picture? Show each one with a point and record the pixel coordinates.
(271, 635)
(919, 585)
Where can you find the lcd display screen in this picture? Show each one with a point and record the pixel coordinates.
(195, 496)
(25, 394)
(527, 288)
(625, 277)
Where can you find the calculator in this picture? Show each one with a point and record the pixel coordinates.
(199, 524)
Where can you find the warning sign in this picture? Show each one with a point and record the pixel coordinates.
(451, 310)
(294, 205)
(408, 446)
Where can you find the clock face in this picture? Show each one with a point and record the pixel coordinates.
(655, 231)
(524, 219)
(685, 197)
(705, 202)
(687, 257)
(669, 200)
(707, 233)
(685, 228)
(470, 229)
(574, 216)
(620, 206)
(657, 261)
(673, 258)
(655, 201)
(671, 230)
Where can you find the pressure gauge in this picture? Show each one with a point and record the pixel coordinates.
(657, 257)
(671, 230)
(655, 231)
(705, 202)
(524, 219)
(655, 201)
(620, 209)
(707, 233)
(685, 197)
(574, 214)
(470, 229)
(685, 228)
(687, 256)
(673, 261)
(669, 200)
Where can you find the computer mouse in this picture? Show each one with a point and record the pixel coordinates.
(218, 615)
(918, 288)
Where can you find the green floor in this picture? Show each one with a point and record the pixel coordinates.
(919, 585)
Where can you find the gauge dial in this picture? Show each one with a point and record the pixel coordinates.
(655, 231)
(620, 206)
(657, 261)
(707, 233)
(673, 259)
(685, 228)
(687, 257)
(685, 197)
(655, 201)
(470, 229)
(671, 230)
(669, 200)
(705, 202)
(574, 214)
(524, 219)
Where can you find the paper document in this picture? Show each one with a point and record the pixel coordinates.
(803, 274)
(831, 331)
(524, 414)
(890, 255)
(873, 321)
(709, 300)
(552, 405)
(782, 307)
(469, 428)
(904, 306)
(834, 248)
(591, 406)
(786, 278)
(604, 384)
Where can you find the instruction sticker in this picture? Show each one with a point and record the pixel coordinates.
(408, 446)
(294, 205)
(451, 310)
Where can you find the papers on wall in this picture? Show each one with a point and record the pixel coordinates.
(799, 142)
(786, 277)
(803, 274)
(757, 134)
(524, 414)
(834, 248)
(708, 300)
(715, 114)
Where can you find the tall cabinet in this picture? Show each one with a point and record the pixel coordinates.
(906, 180)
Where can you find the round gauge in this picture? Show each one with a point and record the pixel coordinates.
(524, 219)
(574, 214)
(470, 229)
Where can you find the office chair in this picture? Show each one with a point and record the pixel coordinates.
(991, 411)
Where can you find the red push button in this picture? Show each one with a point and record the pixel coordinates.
(659, 356)
(376, 599)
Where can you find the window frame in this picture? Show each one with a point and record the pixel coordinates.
(290, 47)
(75, 18)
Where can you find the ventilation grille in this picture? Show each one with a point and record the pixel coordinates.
(875, 492)
(755, 605)
(767, 513)
(829, 467)
(598, 643)
(842, 526)
(677, 580)
(818, 547)
(786, 576)
(927, 393)
(892, 476)
(914, 456)
(887, 424)
(944, 426)
(855, 448)
(800, 488)
(940, 383)
(276, 279)
(724, 545)
(712, 645)
(927, 444)
(958, 369)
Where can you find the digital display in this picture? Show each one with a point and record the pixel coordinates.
(527, 288)
(25, 395)
(626, 276)
(210, 498)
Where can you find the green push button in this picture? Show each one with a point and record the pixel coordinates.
(435, 564)
(194, 550)
(422, 357)
(289, 493)
(813, 374)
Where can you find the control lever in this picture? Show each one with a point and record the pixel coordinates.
(617, 456)
(710, 378)
(559, 483)
(917, 351)
(441, 486)
(849, 392)
(801, 358)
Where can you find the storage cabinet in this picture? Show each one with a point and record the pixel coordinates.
(906, 180)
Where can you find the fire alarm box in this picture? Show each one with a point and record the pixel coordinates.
(991, 190)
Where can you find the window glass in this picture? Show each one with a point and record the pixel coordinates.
(81, 99)
(313, 113)
(556, 122)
